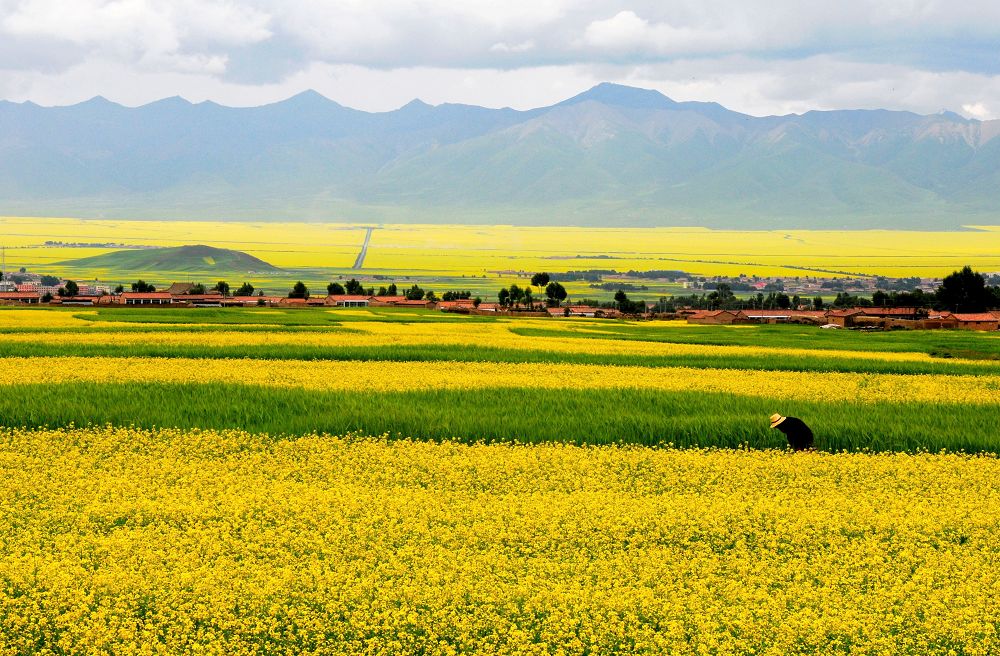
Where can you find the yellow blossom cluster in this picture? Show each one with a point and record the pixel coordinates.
(123, 541)
(41, 318)
(384, 376)
(490, 335)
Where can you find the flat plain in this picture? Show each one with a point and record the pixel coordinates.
(454, 252)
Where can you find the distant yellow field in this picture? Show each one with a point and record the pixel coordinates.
(485, 250)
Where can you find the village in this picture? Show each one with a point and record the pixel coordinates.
(189, 295)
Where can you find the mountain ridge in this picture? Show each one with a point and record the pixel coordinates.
(611, 155)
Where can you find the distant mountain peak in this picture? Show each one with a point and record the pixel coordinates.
(415, 104)
(621, 95)
(172, 101)
(96, 101)
(310, 95)
(309, 98)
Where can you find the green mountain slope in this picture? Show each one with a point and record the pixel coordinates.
(181, 258)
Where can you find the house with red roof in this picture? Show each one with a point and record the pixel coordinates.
(29, 298)
(429, 305)
(786, 316)
(459, 304)
(198, 300)
(347, 300)
(145, 298)
(718, 317)
(977, 321)
(844, 318)
(894, 312)
(383, 301)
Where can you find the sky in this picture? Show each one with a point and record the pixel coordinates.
(773, 57)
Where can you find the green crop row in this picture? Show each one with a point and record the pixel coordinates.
(475, 353)
(528, 415)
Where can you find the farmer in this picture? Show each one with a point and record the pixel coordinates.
(799, 436)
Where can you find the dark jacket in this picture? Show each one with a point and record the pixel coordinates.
(798, 434)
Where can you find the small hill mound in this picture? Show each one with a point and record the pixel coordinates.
(197, 258)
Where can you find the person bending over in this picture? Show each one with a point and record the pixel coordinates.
(800, 438)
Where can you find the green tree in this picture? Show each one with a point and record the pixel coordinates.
(391, 290)
(477, 301)
(335, 289)
(556, 293)
(621, 299)
(503, 297)
(430, 296)
(415, 293)
(197, 288)
(818, 303)
(222, 287)
(246, 289)
(71, 289)
(354, 287)
(964, 291)
(143, 287)
(299, 291)
(539, 280)
(516, 295)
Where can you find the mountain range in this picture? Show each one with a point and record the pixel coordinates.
(611, 156)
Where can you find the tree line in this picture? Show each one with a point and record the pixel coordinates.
(964, 291)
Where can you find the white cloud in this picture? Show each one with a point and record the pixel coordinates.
(183, 35)
(755, 56)
(626, 32)
(978, 110)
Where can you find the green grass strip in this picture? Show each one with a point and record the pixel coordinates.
(576, 416)
(471, 353)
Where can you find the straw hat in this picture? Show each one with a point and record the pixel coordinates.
(776, 419)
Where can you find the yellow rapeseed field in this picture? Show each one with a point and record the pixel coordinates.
(119, 541)
(491, 335)
(481, 250)
(39, 318)
(384, 376)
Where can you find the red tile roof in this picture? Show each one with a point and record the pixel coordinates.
(348, 297)
(889, 312)
(976, 316)
(147, 295)
(19, 295)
